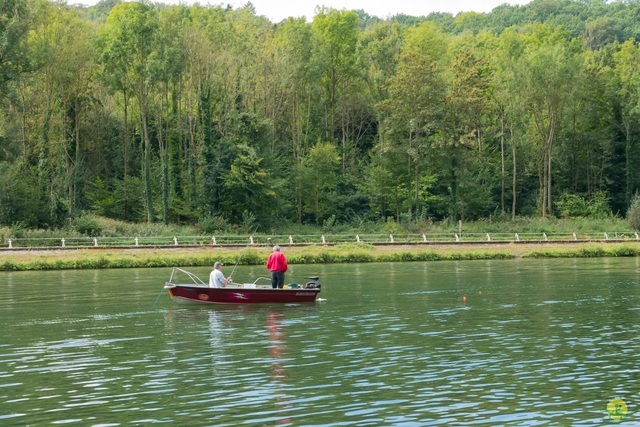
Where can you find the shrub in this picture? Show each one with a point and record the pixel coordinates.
(87, 225)
(633, 213)
(572, 205)
(212, 225)
(576, 206)
(249, 222)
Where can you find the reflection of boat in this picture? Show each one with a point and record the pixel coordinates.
(240, 293)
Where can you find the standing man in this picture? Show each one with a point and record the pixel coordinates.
(216, 279)
(277, 265)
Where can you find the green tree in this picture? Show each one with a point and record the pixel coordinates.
(505, 88)
(463, 130)
(319, 180)
(128, 41)
(552, 66)
(413, 114)
(247, 186)
(335, 40)
(298, 92)
(63, 66)
(14, 23)
(626, 74)
(166, 69)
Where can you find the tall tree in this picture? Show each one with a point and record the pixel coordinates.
(63, 66)
(297, 91)
(14, 23)
(506, 84)
(166, 69)
(552, 66)
(211, 78)
(320, 180)
(466, 101)
(128, 41)
(626, 73)
(336, 37)
(413, 115)
(247, 185)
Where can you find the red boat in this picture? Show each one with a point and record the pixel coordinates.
(240, 293)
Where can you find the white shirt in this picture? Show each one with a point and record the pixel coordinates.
(216, 279)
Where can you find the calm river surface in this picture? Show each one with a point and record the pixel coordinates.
(536, 342)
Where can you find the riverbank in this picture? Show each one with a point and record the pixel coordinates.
(89, 258)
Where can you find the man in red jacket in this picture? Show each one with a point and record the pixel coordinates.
(277, 265)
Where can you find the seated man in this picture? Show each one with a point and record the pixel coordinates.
(216, 279)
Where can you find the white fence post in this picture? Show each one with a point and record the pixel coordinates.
(213, 240)
(136, 241)
(95, 241)
(457, 238)
(517, 237)
(323, 240)
(391, 238)
(290, 240)
(251, 240)
(175, 240)
(424, 238)
(357, 238)
(12, 246)
(63, 245)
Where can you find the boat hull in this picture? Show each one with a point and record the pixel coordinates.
(238, 295)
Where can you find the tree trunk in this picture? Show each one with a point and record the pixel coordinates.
(513, 179)
(126, 155)
(502, 172)
(147, 159)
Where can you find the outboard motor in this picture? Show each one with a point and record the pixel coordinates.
(313, 284)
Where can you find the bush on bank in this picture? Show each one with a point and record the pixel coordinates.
(95, 226)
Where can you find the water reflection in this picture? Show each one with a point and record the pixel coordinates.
(278, 351)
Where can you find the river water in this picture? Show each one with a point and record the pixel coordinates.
(485, 343)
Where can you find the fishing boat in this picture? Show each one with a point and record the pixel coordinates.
(198, 291)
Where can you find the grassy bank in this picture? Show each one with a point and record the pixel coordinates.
(345, 253)
(90, 226)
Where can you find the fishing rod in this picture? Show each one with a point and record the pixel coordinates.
(158, 297)
(238, 262)
(240, 257)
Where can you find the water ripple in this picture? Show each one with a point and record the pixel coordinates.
(546, 348)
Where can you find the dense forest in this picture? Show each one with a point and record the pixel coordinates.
(148, 112)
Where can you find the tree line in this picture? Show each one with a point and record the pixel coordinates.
(210, 115)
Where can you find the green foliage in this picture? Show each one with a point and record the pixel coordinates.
(120, 199)
(599, 206)
(633, 213)
(391, 226)
(213, 225)
(13, 30)
(127, 109)
(355, 246)
(246, 187)
(329, 223)
(319, 180)
(87, 225)
(573, 205)
(20, 198)
(248, 224)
